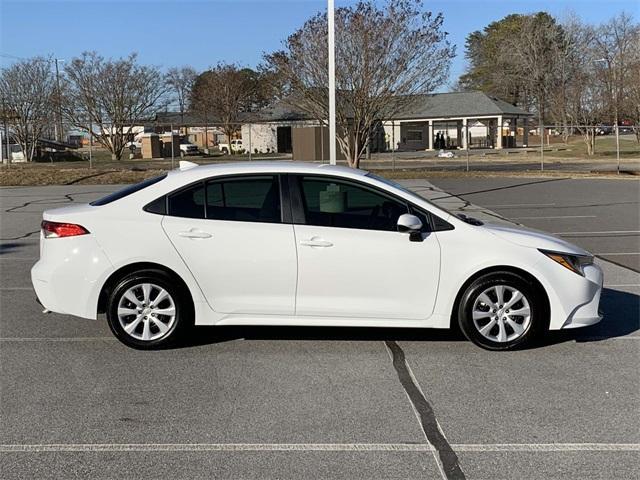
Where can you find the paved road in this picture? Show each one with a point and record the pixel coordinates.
(323, 403)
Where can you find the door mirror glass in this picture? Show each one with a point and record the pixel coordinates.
(408, 223)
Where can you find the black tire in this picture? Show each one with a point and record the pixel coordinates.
(179, 299)
(538, 320)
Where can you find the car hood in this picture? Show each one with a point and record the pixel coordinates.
(528, 237)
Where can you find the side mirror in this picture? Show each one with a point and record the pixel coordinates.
(412, 225)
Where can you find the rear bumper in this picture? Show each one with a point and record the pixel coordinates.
(67, 278)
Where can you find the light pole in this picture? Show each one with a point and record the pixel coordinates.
(332, 82)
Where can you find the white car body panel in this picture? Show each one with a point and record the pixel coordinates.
(415, 284)
(358, 274)
(228, 258)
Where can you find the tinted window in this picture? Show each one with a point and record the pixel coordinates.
(188, 202)
(247, 199)
(112, 197)
(331, 203)
(159, 206)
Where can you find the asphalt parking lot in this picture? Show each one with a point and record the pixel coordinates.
(330, 403)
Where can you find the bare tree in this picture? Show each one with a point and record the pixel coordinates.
(634, 89)
(223, 93)
(536, 47)
(28, 92)
(583, 94)
(567, 64)
(111, 95)
(616, 50)
(384, 55)
(181, 81)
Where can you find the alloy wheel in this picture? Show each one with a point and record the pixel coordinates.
(501, 313)
(146, 312)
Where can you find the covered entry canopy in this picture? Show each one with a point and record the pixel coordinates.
(453, 120)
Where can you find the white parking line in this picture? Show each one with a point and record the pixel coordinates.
(16, 288)
(618, 253)
(322, 447)
(600, 338)
(54, 339)
(547, 447)
(521, 205)
(609, 232)
(553, 217)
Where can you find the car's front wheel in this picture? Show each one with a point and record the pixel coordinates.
(502, 311)
(148, 310)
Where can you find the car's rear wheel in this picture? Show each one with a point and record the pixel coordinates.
(502, 311)
(147, 310)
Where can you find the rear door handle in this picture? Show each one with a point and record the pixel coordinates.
(194, 233)
(316, 242)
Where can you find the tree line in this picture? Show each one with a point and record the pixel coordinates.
(574, 76)
(569, 73)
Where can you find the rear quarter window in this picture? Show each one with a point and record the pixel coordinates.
(126, 191)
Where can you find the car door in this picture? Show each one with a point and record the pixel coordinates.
(231, 235)
(352, 261)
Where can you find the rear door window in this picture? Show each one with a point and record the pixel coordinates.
(244, 199)
(188, 203)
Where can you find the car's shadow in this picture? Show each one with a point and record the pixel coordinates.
(10, 247)
(621, 317)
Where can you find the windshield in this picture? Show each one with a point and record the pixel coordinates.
(405, 190)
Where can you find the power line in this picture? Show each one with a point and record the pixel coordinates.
(15, 57)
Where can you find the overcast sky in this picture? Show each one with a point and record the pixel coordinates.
(202, 32)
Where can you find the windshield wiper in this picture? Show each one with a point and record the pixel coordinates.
(469, 220)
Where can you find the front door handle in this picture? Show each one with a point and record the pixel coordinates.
(316, 242)
(194, 233)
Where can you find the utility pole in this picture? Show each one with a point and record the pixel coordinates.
(6, 133)
(332, 82)
(173, 160)
(617, 120)
(466, 141)
(90, 144)
(58, 129)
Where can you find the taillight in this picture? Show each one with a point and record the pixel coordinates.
(59, 230)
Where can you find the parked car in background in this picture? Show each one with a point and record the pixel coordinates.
(604, 130)
(236, 147)
(188, 148)
(268, 243)
(134, 146)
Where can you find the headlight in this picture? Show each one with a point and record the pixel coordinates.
(575, 263)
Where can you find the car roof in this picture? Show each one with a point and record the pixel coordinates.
(247, 167)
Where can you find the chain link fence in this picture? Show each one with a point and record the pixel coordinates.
(443, 145)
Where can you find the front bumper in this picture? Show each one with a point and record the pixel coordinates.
(588, 312)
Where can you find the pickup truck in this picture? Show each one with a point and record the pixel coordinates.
(236, 147)
(187, 148)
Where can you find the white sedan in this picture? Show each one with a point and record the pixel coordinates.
(301, 244)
